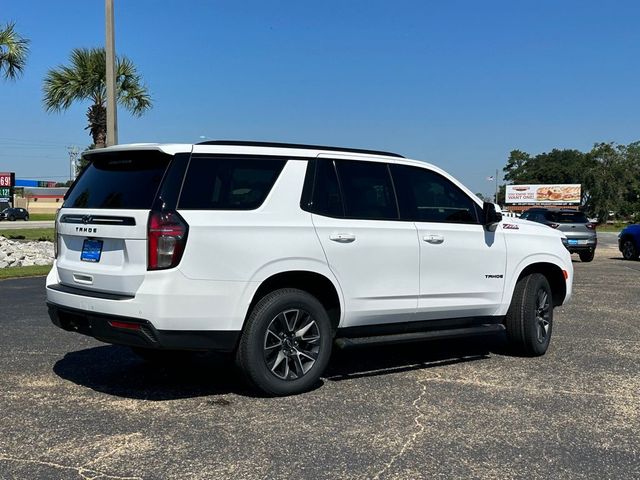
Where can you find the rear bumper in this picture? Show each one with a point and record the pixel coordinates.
(136, 332)
(585, 247)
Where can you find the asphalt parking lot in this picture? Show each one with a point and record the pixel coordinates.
(71, 407)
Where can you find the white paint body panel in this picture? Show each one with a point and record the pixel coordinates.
(387, 274)
(377, 272)
(453, 274)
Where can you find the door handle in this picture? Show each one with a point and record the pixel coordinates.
(432, 238)
(342, 237)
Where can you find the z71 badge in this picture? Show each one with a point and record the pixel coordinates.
(510, 226)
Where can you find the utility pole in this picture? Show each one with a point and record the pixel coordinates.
(496, 198)
(74, 153)
(110, 50)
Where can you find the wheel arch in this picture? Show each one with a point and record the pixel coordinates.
(630, 236)
(317, 284)
(554, 275)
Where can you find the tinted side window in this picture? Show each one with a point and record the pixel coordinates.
(326, 192)
(426, 196)
(367, 190)
(214, 183)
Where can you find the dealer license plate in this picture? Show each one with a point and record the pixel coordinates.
(91, 250)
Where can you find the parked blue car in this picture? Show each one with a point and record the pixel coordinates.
(629, 242)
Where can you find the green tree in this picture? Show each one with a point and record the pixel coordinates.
(84, 79)
(13, 52)
(606, 184)
(516, 169)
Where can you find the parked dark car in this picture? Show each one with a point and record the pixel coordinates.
(629, 242)
(581, 233)
(12, 214)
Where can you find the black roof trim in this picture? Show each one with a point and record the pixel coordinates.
(298, 145)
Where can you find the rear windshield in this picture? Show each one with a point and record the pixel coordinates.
(567, 217)
(119, 180)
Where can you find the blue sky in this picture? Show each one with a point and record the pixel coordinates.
(456, 83)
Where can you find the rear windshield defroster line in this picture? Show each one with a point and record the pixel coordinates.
(119, 180)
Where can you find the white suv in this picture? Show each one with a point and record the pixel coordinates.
(277, 252)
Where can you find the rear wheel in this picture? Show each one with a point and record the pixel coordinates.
(587, 256)
(286, 343)
(26, 218)
(529, 320)
(629, 250)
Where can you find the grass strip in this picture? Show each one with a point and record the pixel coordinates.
(41, 217)
(30, 271)
(33, 234)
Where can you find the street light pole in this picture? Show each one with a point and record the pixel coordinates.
(110, 49)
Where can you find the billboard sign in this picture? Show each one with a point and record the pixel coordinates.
(550, 194)
(6, 184)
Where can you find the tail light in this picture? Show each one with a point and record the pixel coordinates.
(167, 237)
(56, 238)
(554, 225)
(591, 226)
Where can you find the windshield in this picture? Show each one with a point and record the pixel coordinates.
(119, 180)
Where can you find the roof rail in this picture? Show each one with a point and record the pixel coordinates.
(298, 145)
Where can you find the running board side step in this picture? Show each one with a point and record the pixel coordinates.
(419, 336)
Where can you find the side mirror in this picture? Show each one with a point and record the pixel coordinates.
(490, 214)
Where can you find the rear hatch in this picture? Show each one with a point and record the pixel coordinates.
(574, 225)
(102, 225)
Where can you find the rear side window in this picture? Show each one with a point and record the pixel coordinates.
(427, 196)
(367, 190)
(221, 183)
(326, 193)
(566, 217)
(119, 180)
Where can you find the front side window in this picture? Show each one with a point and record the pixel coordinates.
(216, 183)
(427, 196)
(367, 190)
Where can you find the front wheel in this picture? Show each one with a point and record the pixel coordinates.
(529, 320)
(286, 343)
(629, 250)
(12, 218)
(587, 256)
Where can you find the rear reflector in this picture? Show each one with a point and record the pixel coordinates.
(125, 325)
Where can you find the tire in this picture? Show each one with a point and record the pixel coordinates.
(286, 343)
(587, 256)
(12, 218)
(529, 320)
(629, 250)
(26, 218)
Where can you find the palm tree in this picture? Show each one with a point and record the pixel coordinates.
(13, 52)
(84, 79)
